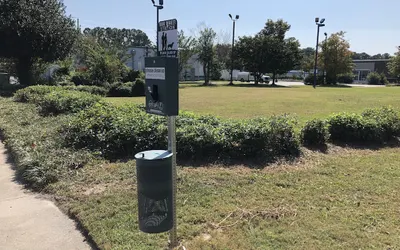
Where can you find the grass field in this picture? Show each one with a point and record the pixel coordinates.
(247, 101)
(346, 200)
(342, 199)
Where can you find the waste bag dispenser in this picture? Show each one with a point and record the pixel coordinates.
(154, 184)
(162, 84)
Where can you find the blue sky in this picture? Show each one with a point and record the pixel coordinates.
(371, 26)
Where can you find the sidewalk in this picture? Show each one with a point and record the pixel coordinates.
(29, 222)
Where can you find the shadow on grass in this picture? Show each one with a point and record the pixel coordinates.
(318, 148)
(260, 85)
(255, 163)
(394, 143)
(333, 86)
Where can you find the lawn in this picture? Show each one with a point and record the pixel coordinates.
(347, 200)
(248, 101)
(344, 198)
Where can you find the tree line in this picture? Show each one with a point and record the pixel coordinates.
(35, 33)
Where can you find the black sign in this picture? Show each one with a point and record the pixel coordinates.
(168, 25)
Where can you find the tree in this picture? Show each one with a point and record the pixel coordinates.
(250, 53)
(102, 65)
(336, 57)
(269, 51)
(223, 52)
(118, 38)
(186, 50)
(32, 30)
(282, 54)
(394, 65)
(307, 59)
(360, 56)
(206, 52)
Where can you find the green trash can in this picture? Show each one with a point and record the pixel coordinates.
(154, 185)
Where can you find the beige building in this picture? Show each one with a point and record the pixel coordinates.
(363, 67)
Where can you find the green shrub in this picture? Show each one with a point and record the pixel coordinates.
(34, 94)
(35, 145)
(387, 118)
(309, 79)
(132, 75)
(314, 133)
(81, 79)
(138, 89)
(374, 78)
(345, 78)
(116, 131)
(354, 129)
(124, 131)
(95, 90)
(384, 79)
(121, 89)
(64, 101)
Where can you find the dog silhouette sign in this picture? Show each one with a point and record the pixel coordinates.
(168, 38)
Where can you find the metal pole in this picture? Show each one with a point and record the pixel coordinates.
(233, 46)
(326, 38)
(173, 239)
(316, 59)
(158, 20)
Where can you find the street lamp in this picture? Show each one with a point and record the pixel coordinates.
(233, 44)
(159, 7)
(319, 23)
(326, 39)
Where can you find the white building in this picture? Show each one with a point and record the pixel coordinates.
(137, 56)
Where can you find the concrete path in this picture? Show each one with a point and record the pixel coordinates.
(28, 222)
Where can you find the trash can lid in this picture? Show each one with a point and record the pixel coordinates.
(152, 155)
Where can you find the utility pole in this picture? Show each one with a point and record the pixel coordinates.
(233, 45)
(158, 7)
(319, 24)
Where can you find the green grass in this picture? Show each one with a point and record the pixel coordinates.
(348, 200)
(304, 102)
(345, 199)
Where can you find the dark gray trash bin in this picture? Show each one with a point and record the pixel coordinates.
(154, 184)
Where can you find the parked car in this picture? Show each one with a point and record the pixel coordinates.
(249, 77)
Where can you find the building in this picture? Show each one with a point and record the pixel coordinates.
(137, 55)
(363, 67)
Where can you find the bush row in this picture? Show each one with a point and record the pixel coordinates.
(373, 126)
(123, 131)
(56, 99)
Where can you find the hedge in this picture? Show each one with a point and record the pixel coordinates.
(34, 94)
(95, 90)
(123, 131)
(314, 133)
(64, 101)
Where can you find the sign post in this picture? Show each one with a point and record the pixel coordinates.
(162, 96)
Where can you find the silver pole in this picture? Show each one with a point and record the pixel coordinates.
(172, 148)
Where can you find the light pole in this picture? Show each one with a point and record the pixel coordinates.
(319, 23)
(158, 7)
(233, 44)
(326, 39)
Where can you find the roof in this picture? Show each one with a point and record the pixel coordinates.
(371, 60)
